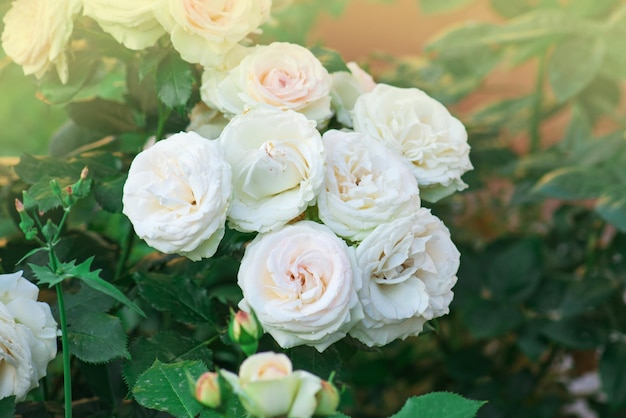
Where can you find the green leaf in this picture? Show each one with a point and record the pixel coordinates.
(92, 279)
(441, 6)
(87, 299)
(37, 169)
(106, 116)
(167, 347)
(51, 89)
(515, 270)
(585, 295)
(487, 318)
(46, 276)
(439, 405)
(579, 333)
(566, 74)
(330, 59)
(186, 299)
(7, 407)
(510, 9)
(611, 206)
(613, 373)
(164, 387)
(108, 193)
(572, 183)
(174, 81)
(96, 337)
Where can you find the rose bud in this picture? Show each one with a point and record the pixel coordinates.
(244, 329)
(208, 390)
(327, 399)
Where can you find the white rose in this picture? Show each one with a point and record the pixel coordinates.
(366, 185)
(278, 167)
(268, 387)
(208, 123)
(422, 130)
(346, 87)
(204, 30)
(409, 269)
(301, 282)
(283, 75)
(132, 23)
(28, 336)
(177, 195)
(36, 33)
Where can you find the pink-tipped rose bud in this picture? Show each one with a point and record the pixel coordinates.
(327, 399)
(244, 328)
(84, 173)
(19, 206)
(208, 390)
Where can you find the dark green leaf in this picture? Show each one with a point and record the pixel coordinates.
(105, 116)
(586, 294)
(487, 319)
(439, 405)
(174, 81)
(164, 387)
(613, 373)
(611, 206)
(108, 193)
(87, 299)
(572, 183)
(7, 407)
(166, 347)
(80, 70)
(46, 276)
(515, 270)
(330, 59)
(441, 6)
(578, 332)
(96, 337)
(567, 77)
(37, 169)
(187, 301)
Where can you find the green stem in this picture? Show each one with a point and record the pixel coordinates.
(67, 373)
(535, 119)
(60, 227)
(127, 245)
(164, 113)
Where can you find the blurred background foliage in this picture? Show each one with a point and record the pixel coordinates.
(538, 323)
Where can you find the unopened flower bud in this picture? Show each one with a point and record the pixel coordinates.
(208, 390)
(84, 173)
(244, 328)
(327, 399)
(19, 206)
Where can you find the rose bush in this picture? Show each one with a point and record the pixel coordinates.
(177, 195)
(421, 130)
(28, 335)
(36, 34)
(301, 281)
(283, 75)
(278, 167)
(366, 185)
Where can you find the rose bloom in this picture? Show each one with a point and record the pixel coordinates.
(177, 195)
(268, 387)
(346, 87)
(36, 33)
(278, 167)
(28, 336)
(132, 23)
(283, 75)
(409, 269)
(366, 185)
(301, 282)
(204, 30)
(422, 130)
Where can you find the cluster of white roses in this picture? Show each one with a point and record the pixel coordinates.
(28, 336)
(379, 265)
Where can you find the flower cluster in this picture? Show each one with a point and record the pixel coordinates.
(28, 335)
(327, 167)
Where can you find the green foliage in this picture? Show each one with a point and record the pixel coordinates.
(439, 405)
(164, 387)
(174, 81)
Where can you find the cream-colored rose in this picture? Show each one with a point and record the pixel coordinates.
(131, 23)
(28, 335)
(202, 31)
(278, 167)
(283, 75)
(346, 87)
(36, 33)
(301, 282)
(422, 130)
(268, 387)
(409, 269)
(208, 123)
(366, 185)
(177, 195)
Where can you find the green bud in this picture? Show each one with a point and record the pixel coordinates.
(208, 391)
(327, 399)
